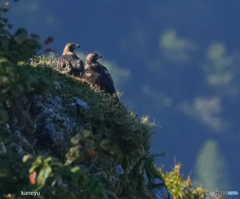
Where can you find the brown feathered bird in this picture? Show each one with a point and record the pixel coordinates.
(69, 62)
(97, 75)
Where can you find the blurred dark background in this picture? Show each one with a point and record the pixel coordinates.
(176, 61)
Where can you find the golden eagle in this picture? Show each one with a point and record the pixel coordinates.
(97, 75)
(69, 62)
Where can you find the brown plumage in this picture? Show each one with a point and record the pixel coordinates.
(69, 62)
(97, 75)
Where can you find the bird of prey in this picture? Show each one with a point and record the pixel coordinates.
(97, 75)
(69, 62)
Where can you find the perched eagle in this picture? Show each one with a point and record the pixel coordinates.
(97, 75)
(69, 62)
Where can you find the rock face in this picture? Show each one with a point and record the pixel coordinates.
(162, 193)
(56, 125)
(46, 123)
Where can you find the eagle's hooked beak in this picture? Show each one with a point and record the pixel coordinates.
(99, 56)
(77, 46)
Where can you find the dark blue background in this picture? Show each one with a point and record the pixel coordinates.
(177, 61)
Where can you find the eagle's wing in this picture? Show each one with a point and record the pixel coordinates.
(99, 77)
(92, 78)
(77, 64)
(70, 64)
(77, 67)
(107, 74)
(107, 80)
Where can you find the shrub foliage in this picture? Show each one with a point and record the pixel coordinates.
(181, 188)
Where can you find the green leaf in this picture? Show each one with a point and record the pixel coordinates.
(75, 169)
(27, 157)
(86, 134)
(48, 160)
(3, 60)
(43, 175)
(75, 139)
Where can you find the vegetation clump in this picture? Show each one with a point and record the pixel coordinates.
(181, 188)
